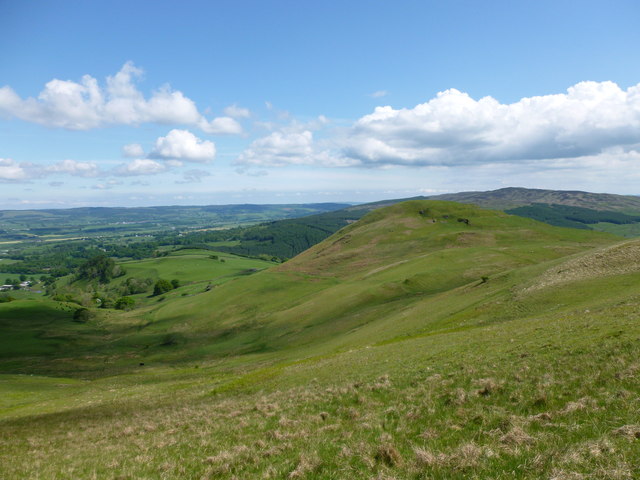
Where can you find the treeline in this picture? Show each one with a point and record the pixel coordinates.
(573, 217)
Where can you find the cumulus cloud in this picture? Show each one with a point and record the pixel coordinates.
(221, 126)
(76, 169)
(183, 145)
(234, 111)
(12, 171)
(279, 149)
(86, 104)
(292, 146)
(140, 166)
(133, 150)
(454, 129)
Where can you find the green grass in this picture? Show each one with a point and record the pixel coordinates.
(628, 230)
(379, 353)
(193, 266)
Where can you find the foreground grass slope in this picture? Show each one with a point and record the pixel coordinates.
(380, 353)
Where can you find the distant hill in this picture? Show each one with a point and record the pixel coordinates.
(512, 197)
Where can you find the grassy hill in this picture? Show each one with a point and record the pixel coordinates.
(285, 239)
(427, 340)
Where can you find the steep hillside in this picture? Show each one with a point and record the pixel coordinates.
(506, 198)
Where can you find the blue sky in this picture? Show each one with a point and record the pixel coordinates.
(155, 103)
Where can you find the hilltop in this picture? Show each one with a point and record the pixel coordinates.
(512, 197)
(428, 339)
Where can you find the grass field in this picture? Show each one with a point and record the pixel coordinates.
(408, 345)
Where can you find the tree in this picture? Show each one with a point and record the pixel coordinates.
(98, 268)
(175, 283)
(162, 286)
(6, 298)
(125, 303)
(82, 315)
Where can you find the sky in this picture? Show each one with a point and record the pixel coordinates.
(134, 103)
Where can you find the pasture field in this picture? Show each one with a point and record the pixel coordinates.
(411, 344)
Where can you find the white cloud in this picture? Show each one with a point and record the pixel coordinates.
(11, 171)
(379, 94)
(220, 126)
(77, 169)
(140, 166)
(133, 150)
(84, 105)
(279, 149)
(235, 111)
(183, 145)
(454, 129)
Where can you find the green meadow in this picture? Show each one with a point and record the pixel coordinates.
(428, 340)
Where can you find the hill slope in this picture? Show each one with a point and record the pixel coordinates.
(408, 345)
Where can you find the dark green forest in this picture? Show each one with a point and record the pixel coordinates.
(569, 216)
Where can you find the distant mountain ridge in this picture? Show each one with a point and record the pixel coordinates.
(574, 209)
(512, 197)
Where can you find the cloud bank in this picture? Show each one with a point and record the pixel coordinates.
(85, 105)
(454, 129)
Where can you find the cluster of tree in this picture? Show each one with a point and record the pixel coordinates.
(55, 260)
(133, 286)
(136, 251)
(573, 217)
(100, 268)
(164, 286)
(14, 282)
